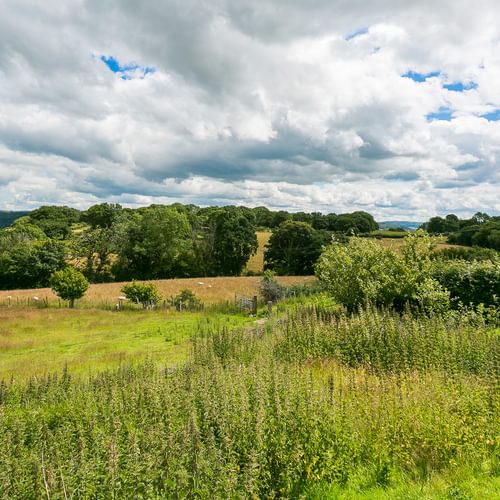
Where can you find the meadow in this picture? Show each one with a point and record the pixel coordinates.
(209, 290)
(39, 342)
(310, 404)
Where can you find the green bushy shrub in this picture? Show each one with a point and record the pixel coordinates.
(142, 293)
(469, 283)
(363, 272)
(186, 300)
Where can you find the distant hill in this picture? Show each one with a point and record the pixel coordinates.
(7, 218)
(408, 225)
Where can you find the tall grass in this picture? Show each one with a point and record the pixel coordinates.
(266, 413)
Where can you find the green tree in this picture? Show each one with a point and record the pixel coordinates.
(25, 261)
(155, 240)
(55, 221)
(102, 215)
(294, 248)
(69, 284)
(363, 272)
(355, 222)
(233, 241)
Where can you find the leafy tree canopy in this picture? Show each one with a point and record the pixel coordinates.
(69, 284)
(294, 248)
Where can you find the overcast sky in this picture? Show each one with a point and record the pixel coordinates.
(324, 105)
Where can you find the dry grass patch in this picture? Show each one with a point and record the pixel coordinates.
(256, 262)
(209, 290)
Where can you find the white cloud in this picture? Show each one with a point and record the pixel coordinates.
(251, 102)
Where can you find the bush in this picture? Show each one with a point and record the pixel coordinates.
(470, 283)
(69, 284)
(186, 300)
(466, 253)
(363, 272)
(270, 289)
(142, 293)
(357, 273)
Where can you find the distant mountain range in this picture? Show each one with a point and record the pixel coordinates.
(7, 218)
(406, 224)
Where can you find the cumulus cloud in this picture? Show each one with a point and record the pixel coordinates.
(323, 105)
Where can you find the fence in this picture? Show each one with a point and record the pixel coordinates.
(246, 303)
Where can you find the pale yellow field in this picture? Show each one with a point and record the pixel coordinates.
(209, 290)
(256, 262)
(395, 243)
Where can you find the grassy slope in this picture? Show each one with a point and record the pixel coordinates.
(209, 290)
(38, 341)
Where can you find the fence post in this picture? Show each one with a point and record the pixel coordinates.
(254, 305)
(269, 308)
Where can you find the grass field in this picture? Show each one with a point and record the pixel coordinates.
(396, 243)
(256, 262)
(209, 290)
(373, 406)
(41, 341)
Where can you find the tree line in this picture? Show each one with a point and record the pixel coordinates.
(108, 242)
(480, 230)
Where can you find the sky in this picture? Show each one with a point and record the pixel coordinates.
(387, 106)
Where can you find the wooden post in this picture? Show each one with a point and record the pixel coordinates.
(254, 305)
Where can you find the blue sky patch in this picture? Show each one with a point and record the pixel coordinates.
(460, 86)
(420, 77)
(442, 113)
(126, 72)
(362, 31)
(492, 116)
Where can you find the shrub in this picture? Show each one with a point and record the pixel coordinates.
(469, 283)
(142, 293)
(358, 272)
(363, 272)
(186, 300)
(69, 284)
(466, 253)
(270, 289)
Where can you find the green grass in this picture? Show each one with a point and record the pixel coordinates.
(41, 341)
(317, 404)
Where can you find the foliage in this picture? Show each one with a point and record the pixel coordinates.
(363, 272)
(103, 215)
(141, 293)
(480, 230)
(351, 403)
(69, 284)
(234, 241)
(355, 223)
(470, 283)
(25, 261)
(186, 300)
(465, 253)
(55, 221)
(357, 273)
(294, 248)
(270, 289)
(153, 243)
